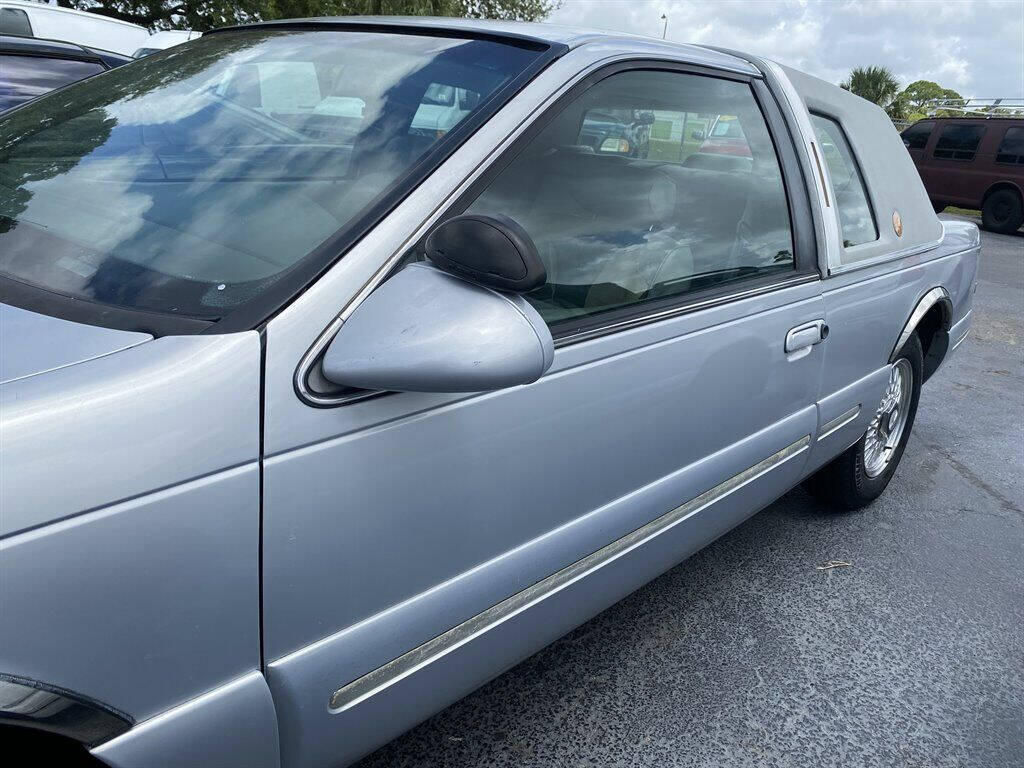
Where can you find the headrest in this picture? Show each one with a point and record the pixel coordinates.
(621, 189)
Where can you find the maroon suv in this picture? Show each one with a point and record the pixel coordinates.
(973, 162)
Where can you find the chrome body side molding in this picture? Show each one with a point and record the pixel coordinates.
(31, 704)
(839, 422)
(965, 322)
(384, 676)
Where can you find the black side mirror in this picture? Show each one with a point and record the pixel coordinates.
(493, 251)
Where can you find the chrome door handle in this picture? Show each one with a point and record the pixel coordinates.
(806, 336)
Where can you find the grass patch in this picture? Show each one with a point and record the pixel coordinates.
(963, 211)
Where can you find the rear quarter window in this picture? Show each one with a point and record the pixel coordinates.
(848, 188)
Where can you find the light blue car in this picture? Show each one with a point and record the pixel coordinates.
(312, 421)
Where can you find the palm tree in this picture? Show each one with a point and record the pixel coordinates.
(879, 85)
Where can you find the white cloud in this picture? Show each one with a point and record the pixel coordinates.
(974, 46)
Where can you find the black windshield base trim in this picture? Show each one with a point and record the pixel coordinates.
(59, 305)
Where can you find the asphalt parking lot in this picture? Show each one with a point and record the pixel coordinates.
(748, 654)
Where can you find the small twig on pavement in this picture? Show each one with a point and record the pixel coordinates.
(833, 564)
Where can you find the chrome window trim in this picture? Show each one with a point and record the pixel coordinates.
(383, 677)
(840, 421)
(913, 250)
(32, 704)
(828, 245)
(821, 174)
(683, 309)
(314, 353)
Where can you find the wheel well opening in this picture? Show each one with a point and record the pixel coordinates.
(46, 748)
(998, 186)
(933, 332)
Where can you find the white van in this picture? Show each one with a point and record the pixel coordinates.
(51, 22)
(158, 41)
(443, 107)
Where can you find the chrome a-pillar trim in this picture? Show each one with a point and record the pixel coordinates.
(362, 688)
(31, 704)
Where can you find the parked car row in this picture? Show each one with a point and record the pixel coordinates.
(341, 373)
(30, 67)
(972, 162)
(43, 47)
(158, 41)
(52, 22)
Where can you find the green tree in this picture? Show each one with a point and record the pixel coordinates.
(509, 10)
(207, 14)
(173, 14)
(919, 94)
(878, 85)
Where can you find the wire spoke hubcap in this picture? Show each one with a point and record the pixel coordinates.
(890, 420)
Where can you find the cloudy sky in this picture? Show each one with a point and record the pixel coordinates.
(973, 46)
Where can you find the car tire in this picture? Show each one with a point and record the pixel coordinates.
(1003, 212)
(859, 475)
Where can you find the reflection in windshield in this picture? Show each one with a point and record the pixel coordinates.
(191, 180)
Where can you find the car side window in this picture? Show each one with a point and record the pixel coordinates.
(916, 136)
(14, 21)
(848, 188)
(1011, 148)
(29, 76)
(959, 142)
(651, 184)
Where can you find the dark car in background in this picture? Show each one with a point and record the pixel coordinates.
(30, 67)
(625, 132)
(726, 137)
(972, 162)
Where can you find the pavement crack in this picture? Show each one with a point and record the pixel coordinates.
(969, 475)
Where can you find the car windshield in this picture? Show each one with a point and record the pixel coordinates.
(190, 181)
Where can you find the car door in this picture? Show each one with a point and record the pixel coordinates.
(685, 302)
